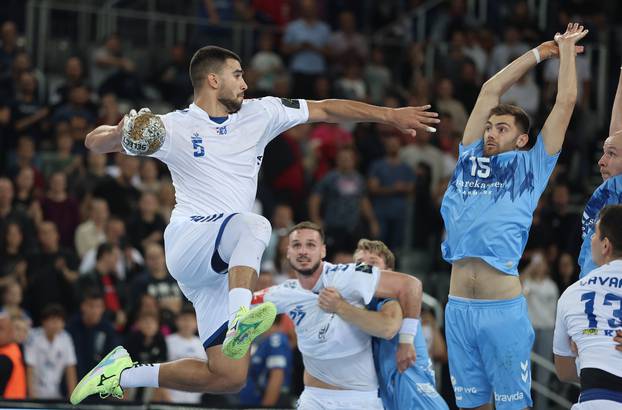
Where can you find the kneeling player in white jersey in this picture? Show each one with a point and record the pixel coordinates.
(339, 367)
(588, 314)
(213, 242)
(401, 387)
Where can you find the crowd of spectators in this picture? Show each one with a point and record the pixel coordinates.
(82, 265)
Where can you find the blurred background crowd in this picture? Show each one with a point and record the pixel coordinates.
(82, 265)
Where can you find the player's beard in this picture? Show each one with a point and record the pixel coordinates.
(307, 272)
(232, 105)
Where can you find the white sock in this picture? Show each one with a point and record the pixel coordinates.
(238, 297)
(140, 375)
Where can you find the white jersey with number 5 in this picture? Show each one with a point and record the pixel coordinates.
(324, 338)
(214, 165)
(588, 313)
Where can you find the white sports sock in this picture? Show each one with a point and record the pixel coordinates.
(140, 375)
(238, 297)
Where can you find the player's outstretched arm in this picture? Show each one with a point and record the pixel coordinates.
(407, 119)
(555, 126)
(105, 138)
(497, 85)
(384, 324)
(616, 112)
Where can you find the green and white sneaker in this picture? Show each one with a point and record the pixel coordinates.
(247, 325)
(104, 378)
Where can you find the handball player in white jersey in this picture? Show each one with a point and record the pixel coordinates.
(589, 313)
(213, 242)
(339, 365)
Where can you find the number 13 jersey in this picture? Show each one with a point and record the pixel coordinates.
(589, 312)
(489, 203)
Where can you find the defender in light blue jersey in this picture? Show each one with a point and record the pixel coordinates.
(610, 191)
(411, 387)
(488, 208)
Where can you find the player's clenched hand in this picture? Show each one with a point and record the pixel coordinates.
(405, 356)
(330, 300)
(410, 119)
(618, 340)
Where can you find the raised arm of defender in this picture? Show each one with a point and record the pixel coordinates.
(554, 129)
(616, 112)
(407, 119)
(497, 85)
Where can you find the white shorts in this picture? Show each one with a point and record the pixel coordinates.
(201, 272)
(598, 405)
(314, 398)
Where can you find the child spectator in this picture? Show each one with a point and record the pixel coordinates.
(49, 356)
(183, 344)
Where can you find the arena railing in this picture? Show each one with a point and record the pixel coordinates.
(546, 391)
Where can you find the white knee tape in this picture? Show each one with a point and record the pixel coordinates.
(257, 226)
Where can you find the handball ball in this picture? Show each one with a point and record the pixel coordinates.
(143, 133)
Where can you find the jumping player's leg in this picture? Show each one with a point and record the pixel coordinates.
(241, 246)
(235, 249)
(220, 374)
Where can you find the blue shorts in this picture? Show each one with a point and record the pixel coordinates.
(414, 389)
(489, 345)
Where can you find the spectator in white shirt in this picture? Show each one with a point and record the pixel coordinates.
(183, 344)
(542, 295)
(50, 355)
(267, 62)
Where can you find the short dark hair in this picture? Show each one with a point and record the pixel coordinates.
(53, 310)
(104, 249)
(91, 293)
(187, 309)
(523, 123)
(208, 59)
(307, 225)
(610, 225)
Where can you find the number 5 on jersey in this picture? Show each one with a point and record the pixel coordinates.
(197, 145)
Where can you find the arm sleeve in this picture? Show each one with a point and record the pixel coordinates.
(6, 368)
(284, 114)
(71, 351)
(274, 294)
(543, 163)
(476, 147)
(357, 283)
(561, 339)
